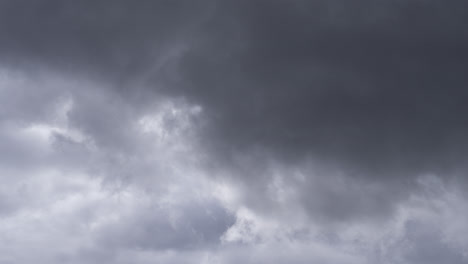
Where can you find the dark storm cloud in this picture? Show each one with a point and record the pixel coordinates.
(113, 37)
(376, 91)
(330, 108)
(374, 87)
(370, 90)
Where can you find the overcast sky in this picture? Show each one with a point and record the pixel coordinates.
(233, 131)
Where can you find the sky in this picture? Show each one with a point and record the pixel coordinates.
(233, 131)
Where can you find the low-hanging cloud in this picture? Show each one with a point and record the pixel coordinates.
(233, 131)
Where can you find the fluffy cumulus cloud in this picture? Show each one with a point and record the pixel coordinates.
(224, 132)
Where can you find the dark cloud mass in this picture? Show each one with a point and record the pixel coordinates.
(378, 90)
(261, 131)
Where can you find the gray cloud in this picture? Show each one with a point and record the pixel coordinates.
(280, 127)
(374, 88)
(185, 228)
(428, 247)
(369, 94)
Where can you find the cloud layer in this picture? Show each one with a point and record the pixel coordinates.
(233, 131)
